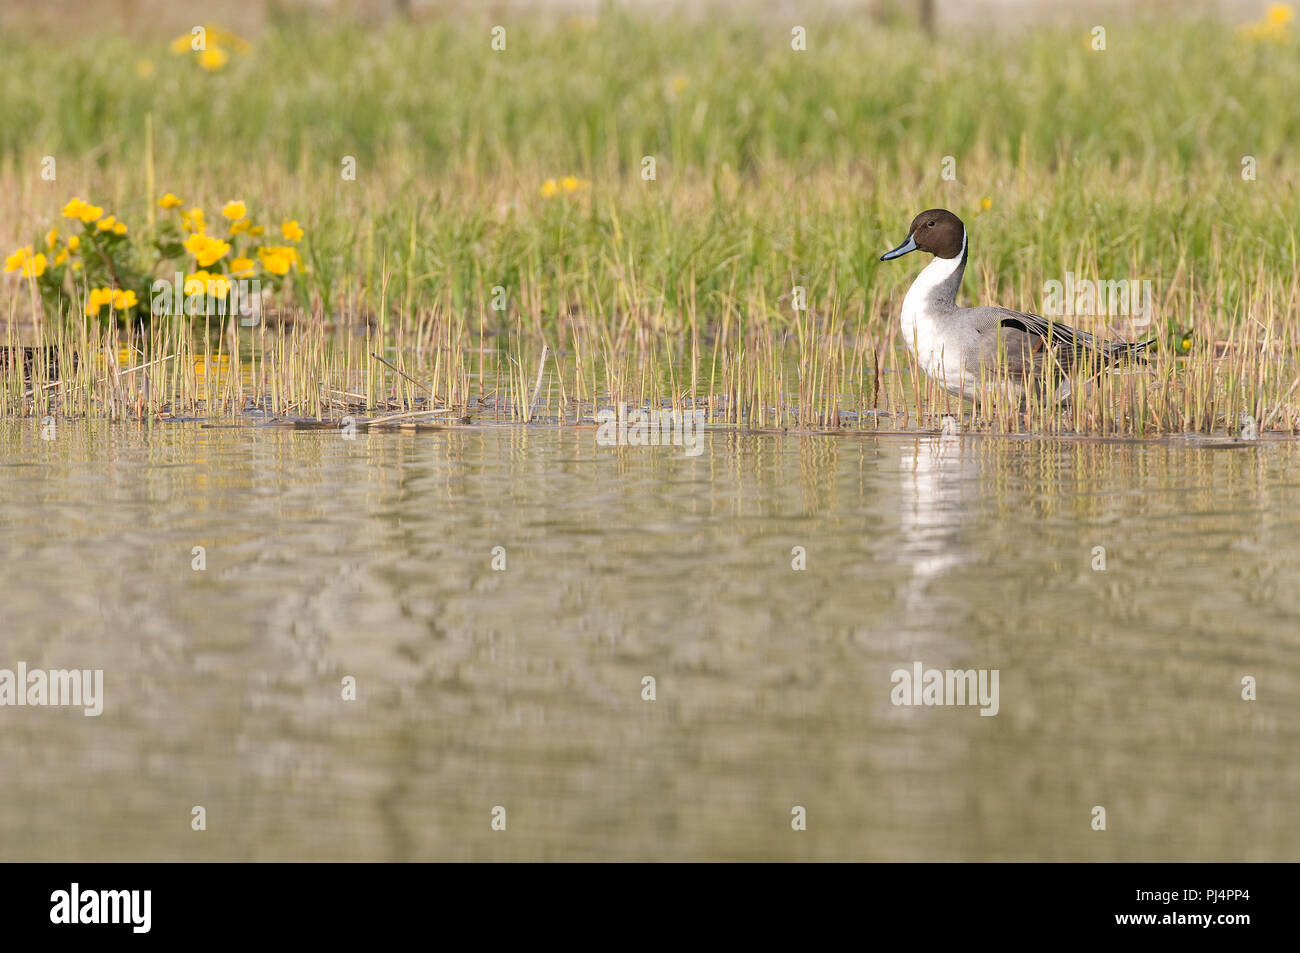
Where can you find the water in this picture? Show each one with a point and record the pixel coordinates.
(522, 688)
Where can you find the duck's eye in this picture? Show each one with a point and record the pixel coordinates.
(929, 225)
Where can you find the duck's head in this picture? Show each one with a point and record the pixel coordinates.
(937, 231)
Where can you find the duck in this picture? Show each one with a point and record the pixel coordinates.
(966, 349)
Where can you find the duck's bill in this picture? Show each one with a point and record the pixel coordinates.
(901, 250)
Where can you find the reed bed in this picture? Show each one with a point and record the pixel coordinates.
(449, 276)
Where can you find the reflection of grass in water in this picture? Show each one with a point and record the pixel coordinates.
(774, 169)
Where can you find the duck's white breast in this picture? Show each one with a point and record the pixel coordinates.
(922, 328)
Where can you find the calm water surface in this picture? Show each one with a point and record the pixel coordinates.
(522, 688)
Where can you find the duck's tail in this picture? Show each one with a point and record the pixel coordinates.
(1120, 352)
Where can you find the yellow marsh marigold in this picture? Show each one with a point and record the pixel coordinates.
(74, 243)
(192, 221)
(277, 259)
(213, 58)
(61, 257)
(1274, 27)
(169, 201)
(186, 41)
(119, 228)
(206, 249)
(235, 211)
(51, 238)
(549, 189)
(257, 230)
(33, 267)
(82, 210)
(291, 230)
(18, 259)
(203, 36)
(106, 223)
(243, 225)
(115, 297)
(206, 283)
(226, 38)
(15, 261)
(276, 264)
(97, 298)
(242, 267)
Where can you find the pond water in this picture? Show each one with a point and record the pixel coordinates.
(1122, 592)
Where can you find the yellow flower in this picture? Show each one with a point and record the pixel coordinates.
(1279, 14)
(51, 237)
(124, 299)
(284, 251)
(257, 230)
(549, 188)
(277, 259)
(119, 228)
(61, 257)
(33, 267)
(106, 223)
(226, 38)
(1275, 26)
(74, 242)
(144, 68)
(291, 230)
(169, 201)
(82, 210)
(243, 225)
(182, 43)
(204, 282)
(206, 249)
(192, 221)
(276, 264)
(570, 183)
(986, 204)
(210, 35)
(213, 58)
(241, 266)
(235, 211)
(97, 298)
(214, 253)
(15, 261)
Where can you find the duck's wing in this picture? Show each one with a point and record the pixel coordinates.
(1034, 345)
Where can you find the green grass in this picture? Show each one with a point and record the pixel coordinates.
(775, 168)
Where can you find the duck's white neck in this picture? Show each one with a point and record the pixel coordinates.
(937, 284)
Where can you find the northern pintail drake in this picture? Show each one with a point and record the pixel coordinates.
(963, 347)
